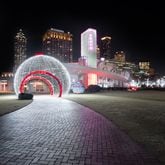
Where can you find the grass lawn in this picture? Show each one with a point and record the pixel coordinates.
(140, 114)
(10, 103)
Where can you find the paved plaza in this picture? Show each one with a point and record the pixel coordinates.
(57, 131)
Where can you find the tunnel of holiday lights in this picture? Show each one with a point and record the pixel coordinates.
(31, 77)
(44, 68)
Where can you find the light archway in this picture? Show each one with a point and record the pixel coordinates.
(46, 67)
(47, 82)
(40, 72)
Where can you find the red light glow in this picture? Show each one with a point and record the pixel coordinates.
(39, 53)
(92, 79)
(42, 72)
(47, 82)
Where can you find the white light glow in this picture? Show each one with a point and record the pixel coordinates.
(45, 63)
(89, 47)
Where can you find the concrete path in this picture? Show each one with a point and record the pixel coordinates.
(55, 131)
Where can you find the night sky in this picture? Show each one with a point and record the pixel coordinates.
(136, 28)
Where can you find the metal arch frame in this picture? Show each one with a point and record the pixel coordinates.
(42, 72)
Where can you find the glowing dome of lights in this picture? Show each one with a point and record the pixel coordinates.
(44, 68)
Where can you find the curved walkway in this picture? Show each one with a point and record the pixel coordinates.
(56, 131)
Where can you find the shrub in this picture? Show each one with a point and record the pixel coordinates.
(25, 96)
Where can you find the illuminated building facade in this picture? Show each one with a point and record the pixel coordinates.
(20, 49)
(104, 75)
(145, 69)
(6, 82)
(119, 56)
(105, 47)
(58, 44)
(89, 55)
(98, 52)
(144, 65)
(91, 69)
(122, 64)
(89, 47)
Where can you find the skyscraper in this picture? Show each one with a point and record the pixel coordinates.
(20, 49)
(58, 44)
(89, 47)
(144, 65)
(105, 48)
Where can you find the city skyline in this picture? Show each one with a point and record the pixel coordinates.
(135, 29)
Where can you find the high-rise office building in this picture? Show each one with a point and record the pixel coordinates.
(20, 49)
(119, 56)
(89, 47)
(58, 44)
(105, 47)
(144, 65)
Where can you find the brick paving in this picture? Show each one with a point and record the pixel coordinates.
(54, 131)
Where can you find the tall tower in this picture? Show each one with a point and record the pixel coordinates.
(20, 49)
(105, 49)
(58, 44)
(89, 47)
